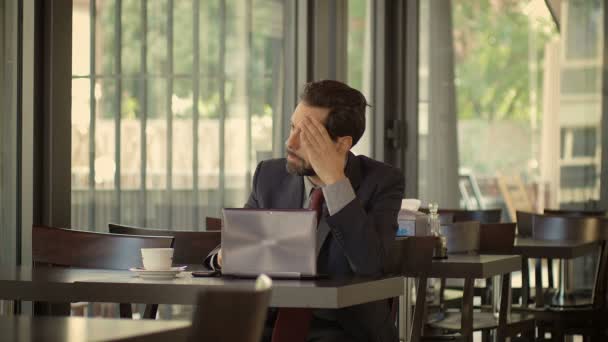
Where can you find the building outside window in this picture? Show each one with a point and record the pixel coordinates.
(511, 100)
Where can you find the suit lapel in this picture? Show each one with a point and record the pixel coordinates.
(322, 231)
(292, 197)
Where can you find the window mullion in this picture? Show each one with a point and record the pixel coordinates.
(92, 113)
(117, 110)
(144, 112)
(222, 91)
(248, 77)
(169, 192)
(195, 113)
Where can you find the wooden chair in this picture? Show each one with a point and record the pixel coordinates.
(213, 223)
(496, 238)
(73, 248)
(559, 228)
(524, 229)
(524, 223)
(468, 232)
(225, 315)
(574, 319)
(462, 238)
(481, 215)
(189, 247)
(570, 213)
(492, 238)
(444, 217)
(515, 194)
(411, 257)
(447, 216)
(575, 213)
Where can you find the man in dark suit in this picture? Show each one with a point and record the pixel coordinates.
(362, 198)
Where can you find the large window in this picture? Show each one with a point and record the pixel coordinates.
(511, 102)
(173, 104)
(510, 107)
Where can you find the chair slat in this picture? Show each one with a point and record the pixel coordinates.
(190, 247)
(75, 248)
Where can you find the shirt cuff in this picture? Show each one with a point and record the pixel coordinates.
(338, 195)
(213, 263)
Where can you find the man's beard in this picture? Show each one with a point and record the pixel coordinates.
(299, 168)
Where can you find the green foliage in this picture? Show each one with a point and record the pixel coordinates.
(216, 31)
(491, 52)
(356, 34)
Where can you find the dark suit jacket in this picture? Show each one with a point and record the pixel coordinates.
(355, 240)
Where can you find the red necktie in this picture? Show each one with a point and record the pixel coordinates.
(292, 324)
(316, 202)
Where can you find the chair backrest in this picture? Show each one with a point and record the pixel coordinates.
(483, 216)
(75, 248)
(515, 194)
(189, 247)
(444, 217)
(574, 213)
(225, 315)
(462, 237)
(213, 223)
(496, 238)
(548, 227)
(447, 216)
(524, 223)
(412, 254)
(601, 282)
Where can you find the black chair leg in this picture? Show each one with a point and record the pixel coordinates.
(557, 334)
(529, 335)
(550, 272)
(125, 310)
(150, 311)
(486, 336)
(51, 309)
(486, 298)
(595, 336)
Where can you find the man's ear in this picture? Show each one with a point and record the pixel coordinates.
(344, 144)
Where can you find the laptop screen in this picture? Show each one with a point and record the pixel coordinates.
(276, 242)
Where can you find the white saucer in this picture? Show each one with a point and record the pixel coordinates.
(157, 274)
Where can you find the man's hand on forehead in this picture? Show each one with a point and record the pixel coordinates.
(326, 158)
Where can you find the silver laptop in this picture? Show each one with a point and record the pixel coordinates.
(279, 243)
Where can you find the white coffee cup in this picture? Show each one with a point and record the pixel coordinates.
(157, 259)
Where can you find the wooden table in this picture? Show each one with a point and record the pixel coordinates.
(471, 267)
(77, 329)
(539, 249)
(43, 284)
(325, 294)
(474, 266)
(532, 248)
(75, 285)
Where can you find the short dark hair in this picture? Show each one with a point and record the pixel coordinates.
(346, 107)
